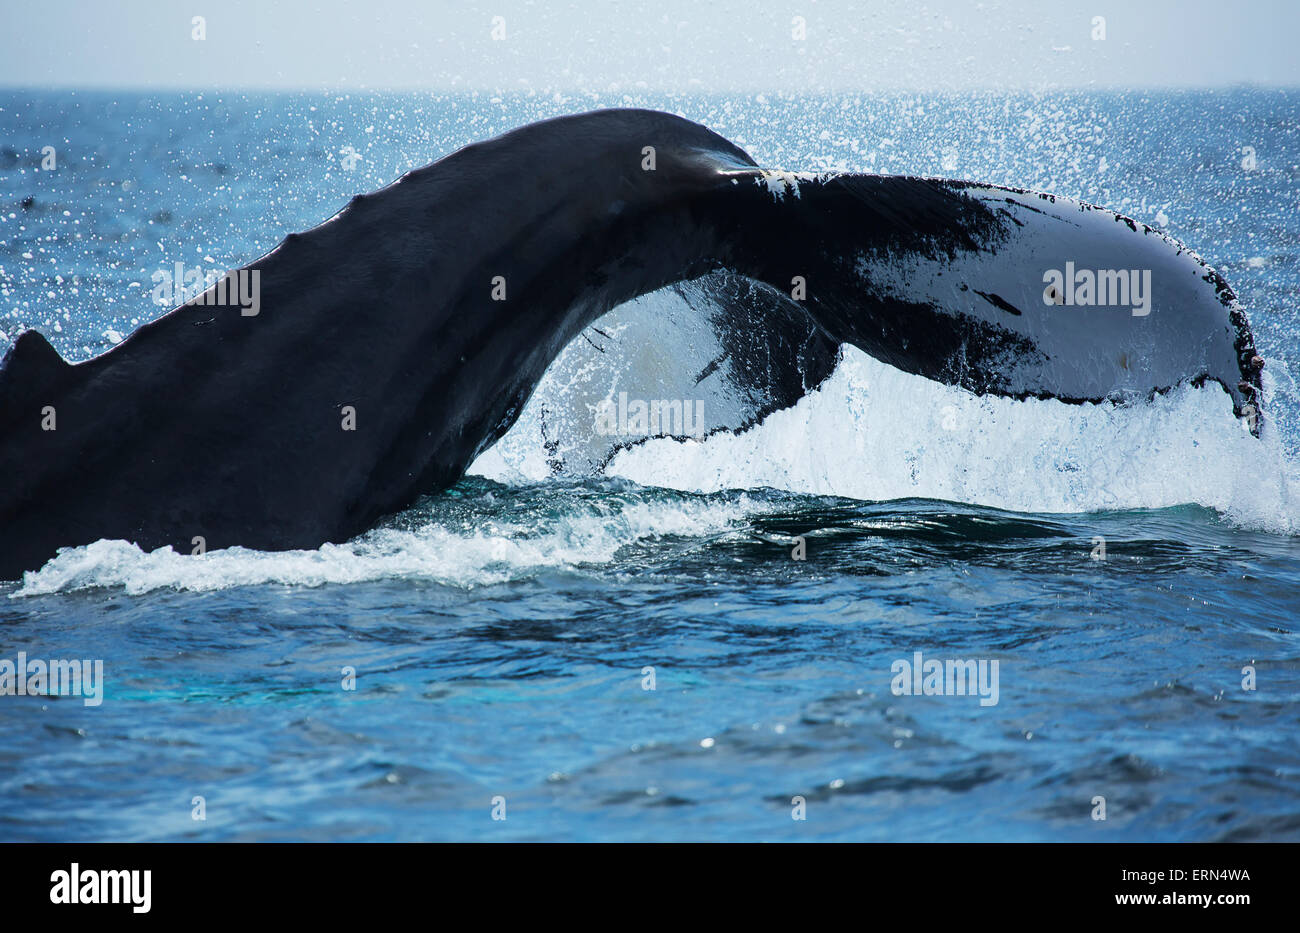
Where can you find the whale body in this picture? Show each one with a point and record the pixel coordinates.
(399, 339)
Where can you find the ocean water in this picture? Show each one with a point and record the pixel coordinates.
(501, 639)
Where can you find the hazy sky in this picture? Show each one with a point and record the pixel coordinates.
(660, 45)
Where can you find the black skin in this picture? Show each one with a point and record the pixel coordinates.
(208, 422)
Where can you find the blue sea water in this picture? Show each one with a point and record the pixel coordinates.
(503, 634)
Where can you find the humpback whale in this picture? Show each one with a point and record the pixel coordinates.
(400, 338)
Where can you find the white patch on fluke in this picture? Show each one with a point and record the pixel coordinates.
(778, 182)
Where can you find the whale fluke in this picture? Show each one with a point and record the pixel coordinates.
(399, 339)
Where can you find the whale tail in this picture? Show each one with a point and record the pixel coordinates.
(995, 289)
(429, 311)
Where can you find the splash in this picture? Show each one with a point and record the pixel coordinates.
(872, 432)
(495, 537)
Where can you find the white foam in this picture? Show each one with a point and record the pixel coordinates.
(873, 432)
(468, 551)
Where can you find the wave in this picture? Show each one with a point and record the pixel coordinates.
(478, 535)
